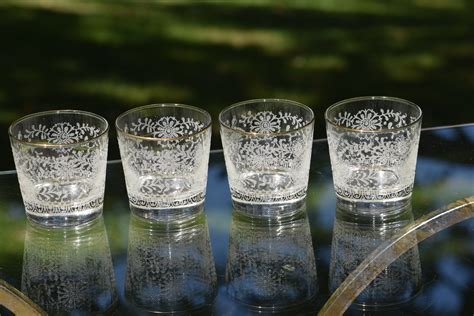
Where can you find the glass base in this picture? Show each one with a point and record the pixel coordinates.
(373, 195)
(269, 210)
(267, 198)
(374, 207)
(64, 220)
(156, 203)
(167, 214)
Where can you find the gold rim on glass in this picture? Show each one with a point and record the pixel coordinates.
(35, 144)
(369, 98)
(164, 105)
(301, 105)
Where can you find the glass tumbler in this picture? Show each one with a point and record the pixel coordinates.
(373, 145)
(267, 149)
(165, 153)
(61, 158)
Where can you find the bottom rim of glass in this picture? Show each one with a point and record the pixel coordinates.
(265, 199)
(42, 209)
(373, 195)
(168, 203)
(168, 214)
(64, 220)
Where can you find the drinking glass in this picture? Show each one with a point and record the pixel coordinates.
(267, 149)
(165, 152)
(271, 262)
(373, 145)
(61, 158)
(68, 270)
(170, 267)
(355, 235)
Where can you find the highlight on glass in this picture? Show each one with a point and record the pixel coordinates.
(61, 158)
(267, 149)
(165, 154)
(373, 146)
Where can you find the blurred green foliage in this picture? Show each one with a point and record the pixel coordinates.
(107, 56)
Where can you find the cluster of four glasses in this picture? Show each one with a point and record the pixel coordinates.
(61, 156)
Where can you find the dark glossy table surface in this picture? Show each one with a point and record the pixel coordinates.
(445, 173)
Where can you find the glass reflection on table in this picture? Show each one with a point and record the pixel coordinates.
(271, 262)
(445, 173)
(170, 267)
(69, 269)
(356, 234)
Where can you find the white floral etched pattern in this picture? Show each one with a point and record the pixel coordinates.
(165, 127)
(267, 122)
(65, 179)
(272, 165)
(62, 133)
(369, 119)
(373, 165)
(169, 169)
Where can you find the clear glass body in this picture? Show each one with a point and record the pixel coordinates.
(270, 262)
(267, 149)
(61, 159)
(355, 236)
(170, 267)
(165, 152)
(373, 145)
(68, 270)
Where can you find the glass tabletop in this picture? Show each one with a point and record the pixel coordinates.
(444, 264)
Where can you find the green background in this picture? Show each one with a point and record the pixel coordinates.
(108, 56)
